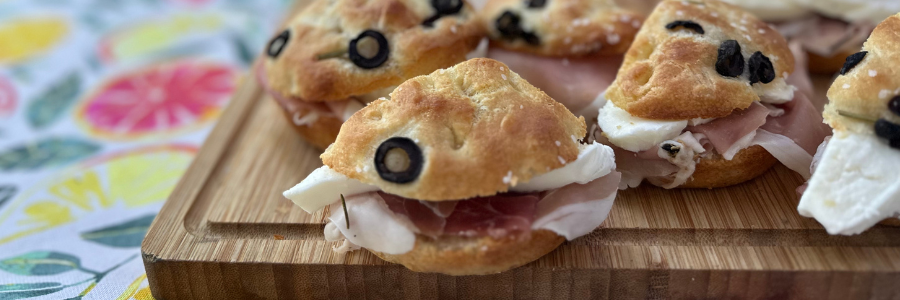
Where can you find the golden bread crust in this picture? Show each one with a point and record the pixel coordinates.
(329, 25)
(566, 27)
(475, 256)
(671, 74)
(320, 133)
(476, 124)
(861, 93)
(714, 171)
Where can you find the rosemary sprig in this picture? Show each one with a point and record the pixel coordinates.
(856, 116)
(332, 54)
(346, 215)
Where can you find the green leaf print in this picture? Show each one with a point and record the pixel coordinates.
(40, 263)
(28, 290)
(6, 193)
(52, 151)
(243, 50)
(54, 101)
(124, 235)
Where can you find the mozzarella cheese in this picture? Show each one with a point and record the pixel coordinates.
(871, 11)
(594, 161)
(775, 92)
(372, 225)
(773, 11)
(324, 186)
(633, 133)
(855, 185)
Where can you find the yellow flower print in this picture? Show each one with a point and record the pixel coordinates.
(133, 179)
(23, 38)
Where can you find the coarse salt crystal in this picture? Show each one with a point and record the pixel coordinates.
(503, 75)
(453, 28)
(873, 73)
(625, 18)
(558, 144)
(762, 31)
(508, 178)
(613, 39)
(846, 86)
(636, 24)
(561, 159)
(567, 40)
(442, 71)
(884, 94)
(679, 13)
(502, 69)
(714, 14)
(521, 106)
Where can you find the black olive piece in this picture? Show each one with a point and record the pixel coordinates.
(894, 105)
(894, 143)
(761, 69)
(535, 3)
(852, 61)
(508, 25)
(370, 62)
(672, 149)
(530, 38)
(447, 7)
(416, 161)
(686, 24)
(278, 43)
(886, 129)
(730, 62)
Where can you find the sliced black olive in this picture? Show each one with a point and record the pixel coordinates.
(852, 61)
(399, 160)
(686, 24)
(886, 129)
(447, 7)
(363, 58)
(444, 8)
(535, 3)
(278, 43)
(894, 105)
(894, 143)
(761, 69)
(672, 149)
(730, 62)
(508, 25)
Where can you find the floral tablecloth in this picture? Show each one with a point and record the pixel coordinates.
(103, 104)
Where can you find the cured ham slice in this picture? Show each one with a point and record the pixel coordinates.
(306, 112)
(724, 132)
(496, 216)
(574, 82)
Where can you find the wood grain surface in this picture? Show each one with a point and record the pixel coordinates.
(226, 232)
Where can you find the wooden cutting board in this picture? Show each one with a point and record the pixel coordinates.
(226, 232)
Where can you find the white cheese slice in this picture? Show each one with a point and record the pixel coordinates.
(635, 134)
(323, 187)
(594, 161)
(372, 225)
(855, 185)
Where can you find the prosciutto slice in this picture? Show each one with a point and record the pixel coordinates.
(724, 132)
(496, 216)
(575, 82)
(307, 112)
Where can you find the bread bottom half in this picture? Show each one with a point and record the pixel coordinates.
(474, 256)
(320, 133)
(715, 171)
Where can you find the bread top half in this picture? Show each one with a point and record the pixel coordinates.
(418, 44)
(563, 27)
(476, 123)
(866, 88)
(670, 73)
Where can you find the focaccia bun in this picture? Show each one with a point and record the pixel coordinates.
(564, 27)
(715, 171)
(327, 26)
(475, 256)
(670, 74)
(479, 127)
(866, 88)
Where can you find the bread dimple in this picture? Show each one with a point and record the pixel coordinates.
(476, 123)
(329, 25)
(566, 27)
(671, 74)
(866, 89)
(475, 256)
